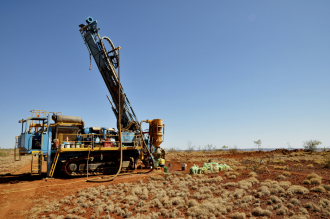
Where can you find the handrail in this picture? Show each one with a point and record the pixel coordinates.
(15, 148)
(92, 144)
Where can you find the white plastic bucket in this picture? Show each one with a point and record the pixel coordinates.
(183, 166)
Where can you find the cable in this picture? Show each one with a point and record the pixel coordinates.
(119, 119)
(110, 66)
(119, 169)
(121, 153)
(108, 62)
(89, 150)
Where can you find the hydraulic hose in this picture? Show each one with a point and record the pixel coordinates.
(119, 116)
(110, 66)
(121, 160)
(119, 169)
(89, 151)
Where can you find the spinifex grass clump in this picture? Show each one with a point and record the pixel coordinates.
(201, 196)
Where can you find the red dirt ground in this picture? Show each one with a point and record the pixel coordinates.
(20, 190)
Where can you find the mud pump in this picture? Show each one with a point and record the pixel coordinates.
(70, 147)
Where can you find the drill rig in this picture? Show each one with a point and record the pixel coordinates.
(127, 123)
(76, 150)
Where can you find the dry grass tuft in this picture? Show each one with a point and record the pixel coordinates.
(295, 189)
(280, 167)
(252, 174)
(319, 161)
(289, 205)
(245, 184)
(238, 215)
(192, 203)
(232, 173)
(239, 193)
(260, 212)
(299, 217)
(253, 180)
(315, 181)
(285, 184)
(313, 175)
(298, 165)
(306, 181)
(280, 177)
(156, 178)
(275, 199)
(286, 173)
(282, 211)
(197, 211)
(324, 203)
(230, 184)
(278, 161)
(294, 201)
(264, 190)
(247, 198)
(327, 187)
(318, 189)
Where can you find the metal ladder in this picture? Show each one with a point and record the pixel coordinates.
(52, 169)
(36, 168)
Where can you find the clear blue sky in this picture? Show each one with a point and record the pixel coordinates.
(217, 72)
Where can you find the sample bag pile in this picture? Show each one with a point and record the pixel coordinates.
(208, 166)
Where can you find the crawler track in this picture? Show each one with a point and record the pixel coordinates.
(98, 164)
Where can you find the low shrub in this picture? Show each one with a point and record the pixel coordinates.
(245, 184)
(327, 162)
(260, 212)
(285, 184)
(286, 173)
(327, 187)
(247, 198)
(318, 189)
(275, 199)
(282, 211)
(298, 165)
(264, 190)
(294, 201)
(306, 181)
(289, 205)
(238, 215)
(280, 177)
(252, 174)
(313, 175)
(280, 167)
(315, 181)
(296, 189)
(230, 184)
(192, 203)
